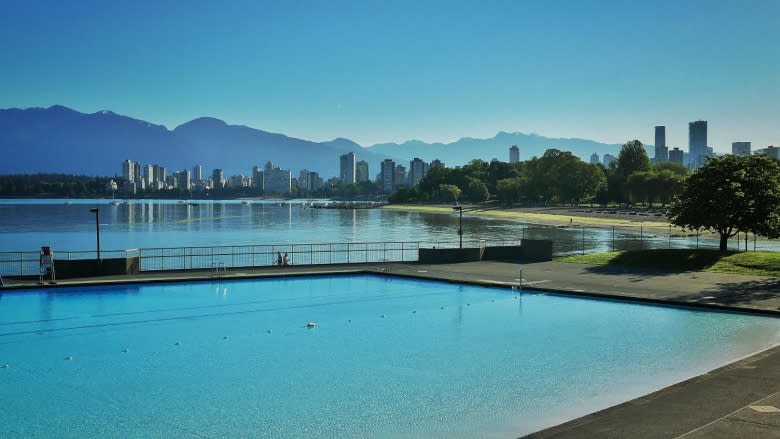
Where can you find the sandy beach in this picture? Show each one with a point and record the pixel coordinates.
(623, 219)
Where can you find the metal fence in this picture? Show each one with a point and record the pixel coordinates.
(240, 256)
(566, 240)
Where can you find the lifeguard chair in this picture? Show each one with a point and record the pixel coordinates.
(47, 266)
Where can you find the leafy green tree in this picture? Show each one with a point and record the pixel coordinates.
(477, 191)
(730, 194)
(632, 158)
(637, 186)
(672, 167)
(509, 190)
(449, 192)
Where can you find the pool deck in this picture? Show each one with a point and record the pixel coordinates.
(741, 399)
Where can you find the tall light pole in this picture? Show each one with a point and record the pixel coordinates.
(460, 223)
(96, 211)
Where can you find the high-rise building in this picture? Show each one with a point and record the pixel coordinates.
(257, 177)
(387, 176)
(594, 159)
(771, 151)
(197, 173)
(217, 179)
(697, 143)
(436, 163)
(160, 176)
(608, 158)
(275, 180)
(417, 170)
(185, 179)
(347, 168)
(514, 154)
(399, 176)
(740, 148)
(128, 170)
(309, 181)
(149, 175)
(361, 171)
(661, 150)
(137, 171)
(676, 156)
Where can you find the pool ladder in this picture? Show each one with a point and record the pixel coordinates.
(220, 269)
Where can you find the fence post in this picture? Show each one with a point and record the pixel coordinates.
(641, 239)
(670, 236)
(613, 238)
(583, 240)
(697, 238)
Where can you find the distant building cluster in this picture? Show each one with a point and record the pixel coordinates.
(270, 178)
(698, 148)
(274, 180)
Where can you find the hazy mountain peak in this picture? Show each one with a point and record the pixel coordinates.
(203, 122)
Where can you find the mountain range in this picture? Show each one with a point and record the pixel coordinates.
(62, 140)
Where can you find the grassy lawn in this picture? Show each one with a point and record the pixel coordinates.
(753, 263)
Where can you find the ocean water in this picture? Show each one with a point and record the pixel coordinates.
(388, 358)
(68, 225)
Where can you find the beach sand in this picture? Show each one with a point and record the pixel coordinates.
(622, 219)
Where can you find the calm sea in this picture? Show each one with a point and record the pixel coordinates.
(68, 225)
(25, 225)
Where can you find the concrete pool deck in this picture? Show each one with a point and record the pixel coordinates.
(741, 399)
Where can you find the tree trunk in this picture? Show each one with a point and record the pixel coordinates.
(724, 240)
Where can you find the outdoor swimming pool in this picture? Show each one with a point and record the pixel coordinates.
(389, 357)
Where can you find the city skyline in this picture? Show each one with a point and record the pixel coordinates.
(379, 73)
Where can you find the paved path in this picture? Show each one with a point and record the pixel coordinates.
(741, 400)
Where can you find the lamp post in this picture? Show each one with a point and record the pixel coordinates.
(460, 223)
(96, 211)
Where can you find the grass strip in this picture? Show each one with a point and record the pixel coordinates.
(748, 263)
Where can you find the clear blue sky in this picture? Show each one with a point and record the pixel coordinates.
(378, 71)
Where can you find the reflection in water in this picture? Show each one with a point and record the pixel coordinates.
(28, 224)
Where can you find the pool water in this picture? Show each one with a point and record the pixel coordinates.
(388, 357)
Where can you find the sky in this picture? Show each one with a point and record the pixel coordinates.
(391, 71)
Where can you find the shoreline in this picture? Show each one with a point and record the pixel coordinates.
(559, 217)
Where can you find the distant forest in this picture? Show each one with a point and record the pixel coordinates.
(52, 186)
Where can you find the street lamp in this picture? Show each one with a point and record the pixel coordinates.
(96, 211)
(460, 223)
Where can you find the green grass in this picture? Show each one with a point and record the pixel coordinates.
(751, 263)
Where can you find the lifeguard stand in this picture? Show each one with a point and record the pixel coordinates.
(47, 266)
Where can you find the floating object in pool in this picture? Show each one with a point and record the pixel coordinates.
(5, 366)
(125, 350)
(414, 311)
(311, 325)
(178, 343)
(442, 307)
(382, 316)
(349, 321)
(68, 357)
(492, 300)
(226, 337)
(468, 304)
(268, 331)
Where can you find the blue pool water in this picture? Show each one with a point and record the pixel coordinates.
(389, 357)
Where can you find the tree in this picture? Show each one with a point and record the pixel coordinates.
(477, 191)
(731, 194)
(449, 192)
(632, 158)
(509, 190)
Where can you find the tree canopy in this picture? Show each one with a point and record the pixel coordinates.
(731, 194)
